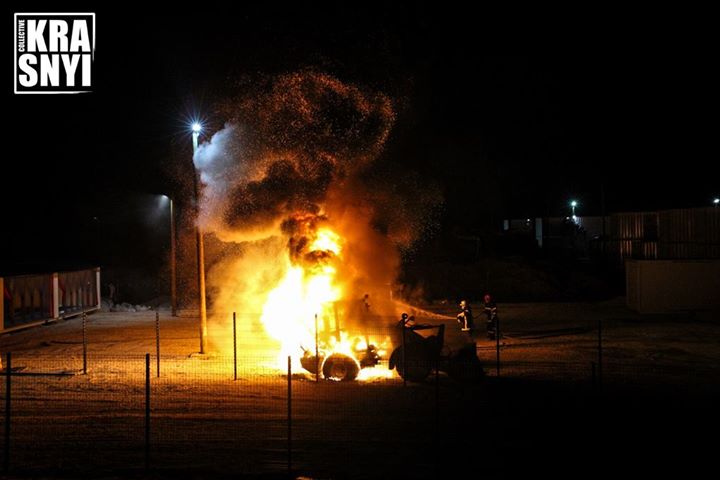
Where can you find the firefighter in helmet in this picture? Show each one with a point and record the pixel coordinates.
(490, 310)
(465, 317)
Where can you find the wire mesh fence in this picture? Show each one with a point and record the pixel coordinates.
(200, 416)
(61, 419)
(243, 412)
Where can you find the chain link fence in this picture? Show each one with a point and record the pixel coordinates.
(247, 413)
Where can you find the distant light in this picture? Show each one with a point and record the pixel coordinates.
(573, 203)
(196, 127)
(716, 201)
(574, 218)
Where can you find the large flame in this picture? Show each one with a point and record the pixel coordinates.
(304, 292)
(301, 312)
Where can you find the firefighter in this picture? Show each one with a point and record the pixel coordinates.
(490, 310)
(465, 317)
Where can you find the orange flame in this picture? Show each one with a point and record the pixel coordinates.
(307, 291)
(289, 312)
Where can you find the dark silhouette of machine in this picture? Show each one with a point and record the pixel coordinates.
(422, 349)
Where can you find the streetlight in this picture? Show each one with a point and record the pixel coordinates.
(196, 129)
(716, 201)
(573, 204)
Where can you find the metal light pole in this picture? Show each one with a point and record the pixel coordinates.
(173, 265)
(196, 128)
(603, 213)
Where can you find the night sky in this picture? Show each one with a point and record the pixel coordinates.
(501, 136)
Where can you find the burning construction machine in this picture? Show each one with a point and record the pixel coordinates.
(422, 348)
(341, 365)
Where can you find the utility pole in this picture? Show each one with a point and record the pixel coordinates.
(602, 212)
(196, 128)
(173, 265)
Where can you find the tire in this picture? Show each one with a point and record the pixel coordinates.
(340, 368)
(419, 363)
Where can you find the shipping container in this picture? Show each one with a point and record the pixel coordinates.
(665, 286)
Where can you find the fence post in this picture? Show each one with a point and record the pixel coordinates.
(157, 341)
(437, 399)
(592, 369)
(147, 411)
(497, 346)
(317, 352)
(84, 332)
(8, 396)
(404, 365)
(600, 348)
(55, 314)
(234, 347)
(289, 415)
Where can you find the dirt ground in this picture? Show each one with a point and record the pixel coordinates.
(658, 396)
(532, 332)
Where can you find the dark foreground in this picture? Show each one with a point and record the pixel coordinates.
(92, 426)
(654, 414)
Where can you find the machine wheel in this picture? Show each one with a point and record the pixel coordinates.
(419, 363)
(340, 368)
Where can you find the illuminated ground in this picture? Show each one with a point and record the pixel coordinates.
(542, 415)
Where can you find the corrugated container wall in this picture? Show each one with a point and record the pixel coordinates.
(669, 234)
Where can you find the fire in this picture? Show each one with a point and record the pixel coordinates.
(304, 292)
(301, 313)
(326, 240)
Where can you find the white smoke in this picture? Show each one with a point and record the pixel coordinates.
(219, 168)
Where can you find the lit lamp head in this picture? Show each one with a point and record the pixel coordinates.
(716, 201)
(573, 203)
(196, 129)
